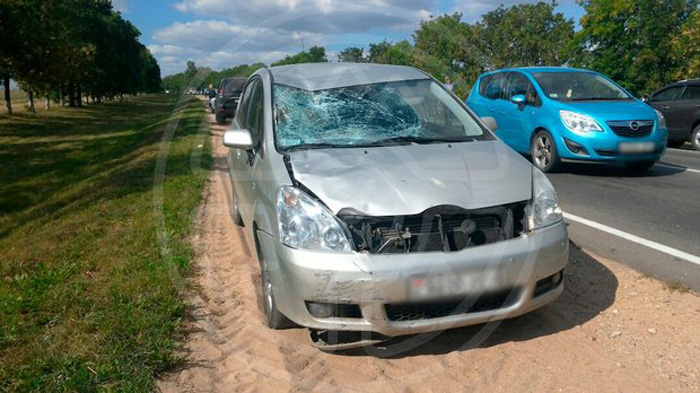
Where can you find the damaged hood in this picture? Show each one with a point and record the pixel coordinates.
(404, 180)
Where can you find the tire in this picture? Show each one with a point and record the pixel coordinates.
(543, 152)
(695, 138)
(674, 144)
(237, 219)
(640, 166)
(274, 319)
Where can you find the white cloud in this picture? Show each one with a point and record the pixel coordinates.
(323, 16)
(267, 30)
(216, 35)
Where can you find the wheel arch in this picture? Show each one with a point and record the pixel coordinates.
(695, 125)
(535, 131)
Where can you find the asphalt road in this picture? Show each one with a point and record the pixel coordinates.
(661, 206)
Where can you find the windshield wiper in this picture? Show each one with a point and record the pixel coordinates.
(599, 99)
(399, 140)
(322, 145)
(405, 140)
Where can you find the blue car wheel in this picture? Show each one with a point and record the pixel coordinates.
(544, 153)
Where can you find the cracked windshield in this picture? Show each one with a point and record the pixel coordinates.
(375, 114)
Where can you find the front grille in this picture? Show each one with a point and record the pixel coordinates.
(631, 128)
(441, 228)
(417, 311)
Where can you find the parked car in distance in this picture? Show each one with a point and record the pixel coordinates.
(555, 114)
(229, 94)
(377, 202)
(680, 104)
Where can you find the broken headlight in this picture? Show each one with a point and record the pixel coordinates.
(544, 210)
(307, 225)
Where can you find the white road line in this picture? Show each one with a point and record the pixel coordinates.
(636, 239)
(684, 169)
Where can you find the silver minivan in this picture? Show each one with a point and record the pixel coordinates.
(379, 203)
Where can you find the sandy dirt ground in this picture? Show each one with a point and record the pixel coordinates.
(612, 330)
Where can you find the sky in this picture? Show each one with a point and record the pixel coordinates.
(224, 33)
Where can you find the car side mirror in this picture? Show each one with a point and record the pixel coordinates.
(518, 99)
(238, 139)
(490, 123)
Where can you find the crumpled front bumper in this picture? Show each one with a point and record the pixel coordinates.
(374, 281)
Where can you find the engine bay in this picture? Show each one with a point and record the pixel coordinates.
(441, 228)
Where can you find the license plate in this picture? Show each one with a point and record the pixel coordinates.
(441, 286)
(636, 147)
(433, 287)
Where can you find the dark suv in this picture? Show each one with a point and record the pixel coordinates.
(227, 98)
(680, 104)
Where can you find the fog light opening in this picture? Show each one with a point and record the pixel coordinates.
(575, 148)
(320, 310)
(557, 278)
(333, 310)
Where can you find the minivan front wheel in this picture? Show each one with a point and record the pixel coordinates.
(544, 152)
(274, 319)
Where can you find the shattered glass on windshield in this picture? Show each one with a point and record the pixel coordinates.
(343, 116)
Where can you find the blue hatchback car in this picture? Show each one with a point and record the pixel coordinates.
(555, 114)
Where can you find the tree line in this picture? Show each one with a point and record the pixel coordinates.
(641, 44)
(203, 77)
(72, 51)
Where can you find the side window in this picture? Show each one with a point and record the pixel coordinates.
(483, 83)
(255, 117)
(691, 93)
(670, 94)
(518, 84)
(244, 105)
(495, 86)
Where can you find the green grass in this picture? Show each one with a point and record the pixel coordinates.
(87, 301)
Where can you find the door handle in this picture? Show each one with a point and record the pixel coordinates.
(502, 112)
(665, 107)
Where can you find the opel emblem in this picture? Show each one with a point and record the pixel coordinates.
(634, 126)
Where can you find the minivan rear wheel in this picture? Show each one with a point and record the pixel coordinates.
(237, 219)
(544, 152)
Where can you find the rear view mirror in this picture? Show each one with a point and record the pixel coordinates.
(238, 139)
(518, 99)
(490, 123)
